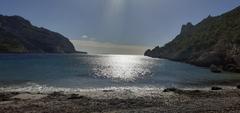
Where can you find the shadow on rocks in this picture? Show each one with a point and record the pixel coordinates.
(76, 96)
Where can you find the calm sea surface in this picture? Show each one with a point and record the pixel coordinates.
(103, 71)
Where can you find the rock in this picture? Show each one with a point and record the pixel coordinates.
(216, 88)
(232, 68)
(76, 96)
(147, 53)
(209, 58)
(105, 91)
(170, 90)
(187, 28)
(18, 35)
(153, 53)
(215, 69)
(4, 97)
(238, 86)
(7, 96)
(57, 94)
(81, 52)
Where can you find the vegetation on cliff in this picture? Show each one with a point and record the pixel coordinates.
(213, 41)
(18, 35)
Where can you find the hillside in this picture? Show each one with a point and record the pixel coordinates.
(213, 41)
(18, 35)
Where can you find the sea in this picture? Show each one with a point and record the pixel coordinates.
(74, 72)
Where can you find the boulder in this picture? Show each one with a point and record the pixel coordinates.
(215, 69)
(76, 96)
(170, 90)
(238, 86)
(216, 88)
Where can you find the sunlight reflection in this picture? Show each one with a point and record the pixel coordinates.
(124, 67)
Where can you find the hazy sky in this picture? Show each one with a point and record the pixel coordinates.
(116, 25)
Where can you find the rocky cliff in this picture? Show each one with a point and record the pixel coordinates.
(18, 35)
(213, 41)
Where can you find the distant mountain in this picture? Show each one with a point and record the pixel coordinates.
(18, 35)
(213, 41)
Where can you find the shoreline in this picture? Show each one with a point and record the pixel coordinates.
(117, 101)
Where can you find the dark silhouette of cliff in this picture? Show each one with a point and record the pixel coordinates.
(213, 41)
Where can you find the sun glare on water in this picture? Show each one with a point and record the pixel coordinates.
(124, 67)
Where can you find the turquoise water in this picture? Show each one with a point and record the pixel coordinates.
(102, 71)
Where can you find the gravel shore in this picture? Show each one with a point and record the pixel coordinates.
(125, 101)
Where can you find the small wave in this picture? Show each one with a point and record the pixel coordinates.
(37, 88)
(34, 87)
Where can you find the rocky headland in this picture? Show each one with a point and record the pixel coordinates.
(18, 35)
(214, 42)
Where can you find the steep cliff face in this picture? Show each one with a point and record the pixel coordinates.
(215, 40)
(18, 35)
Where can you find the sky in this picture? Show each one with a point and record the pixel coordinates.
(116, 26)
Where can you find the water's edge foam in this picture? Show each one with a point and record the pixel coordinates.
(36, 88)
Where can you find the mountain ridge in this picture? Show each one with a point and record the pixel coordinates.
(213, 41)
(18, 35)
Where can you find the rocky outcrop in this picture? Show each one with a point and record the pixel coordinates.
(18, 35)
(213, 41)
(216, 88)
(215, 69)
